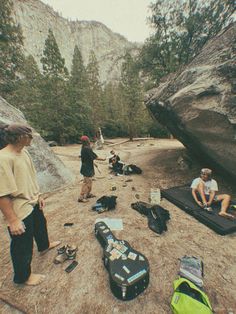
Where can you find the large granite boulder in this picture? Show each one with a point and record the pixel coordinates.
(198, 104)
(51, 172)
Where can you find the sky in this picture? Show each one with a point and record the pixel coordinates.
(126, 17)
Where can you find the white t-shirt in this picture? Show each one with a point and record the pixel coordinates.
(210, 185)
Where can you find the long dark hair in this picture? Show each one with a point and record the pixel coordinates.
(10, 133)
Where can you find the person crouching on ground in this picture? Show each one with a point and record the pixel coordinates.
(87, 169)
(21, 203)
(113, 156)
(204, 190)
(117, 166)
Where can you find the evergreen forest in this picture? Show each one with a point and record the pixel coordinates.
(62, 104)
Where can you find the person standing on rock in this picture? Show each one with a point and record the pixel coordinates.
(21, 203)
(87, 169)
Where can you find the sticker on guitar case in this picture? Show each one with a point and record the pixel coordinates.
(123, 249)
(136, 276)
(109, 247)
(111, 258)
(117, 246)
(132, 256)
(119, 277)
(126, 269)
(124, 257)
(141, 258)
(115, 253)
(109, 238)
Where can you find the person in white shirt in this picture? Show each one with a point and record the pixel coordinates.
(204, 190)
(21, 202)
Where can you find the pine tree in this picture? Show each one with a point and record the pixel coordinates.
(52, 61)
(26, 95)
(109, 101)
(30, 69)
(114, 123)
(94, 91)
(54, 110)
(11, 56)
(53, 93)
(30, 102)
(132, 95)
(180, 32)
(77, 95)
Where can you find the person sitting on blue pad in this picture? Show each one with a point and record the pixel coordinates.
(204, 190)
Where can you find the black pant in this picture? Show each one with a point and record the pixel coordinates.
(22, 245)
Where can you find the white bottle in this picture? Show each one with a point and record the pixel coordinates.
(155, 196)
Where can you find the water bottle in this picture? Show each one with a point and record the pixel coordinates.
(155, 196)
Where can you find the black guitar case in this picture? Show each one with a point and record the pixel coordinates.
(128, 269)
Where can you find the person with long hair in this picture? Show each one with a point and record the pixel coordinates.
(21, 203)
(87, 169)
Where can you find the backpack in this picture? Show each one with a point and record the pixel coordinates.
(192, 269)
(188, 298)
(108, 202)
(135, 169)
(131, 169)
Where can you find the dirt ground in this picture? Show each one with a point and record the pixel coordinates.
(86, 289)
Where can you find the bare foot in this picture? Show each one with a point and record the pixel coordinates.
(226, 215)
(52, 245)
(35, 279)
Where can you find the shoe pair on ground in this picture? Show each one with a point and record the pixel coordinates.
(66, 252)
(85, 200)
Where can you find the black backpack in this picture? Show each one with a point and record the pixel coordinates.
(132, 169)
(108, 202)
(135, 169)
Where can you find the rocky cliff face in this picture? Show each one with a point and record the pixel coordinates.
(198, 105)
(36, 18)
(51, 172)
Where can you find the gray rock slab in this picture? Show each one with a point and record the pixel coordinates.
(51, 172)
(198, 103)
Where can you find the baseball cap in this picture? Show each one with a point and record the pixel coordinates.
(84, 138)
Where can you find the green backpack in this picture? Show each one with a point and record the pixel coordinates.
(189, 299)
